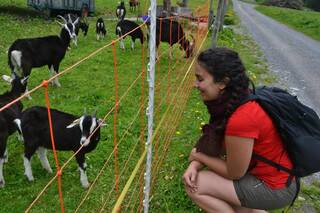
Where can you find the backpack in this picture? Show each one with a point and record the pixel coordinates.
(298, 126)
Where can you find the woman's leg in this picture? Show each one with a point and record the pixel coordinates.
(240, 209)
(214, 193)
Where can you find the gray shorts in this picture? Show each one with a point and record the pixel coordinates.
(255, 194)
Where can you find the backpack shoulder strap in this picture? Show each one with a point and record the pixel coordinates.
(270, 162)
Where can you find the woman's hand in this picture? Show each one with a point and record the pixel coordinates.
(194, 155)
(190, 177)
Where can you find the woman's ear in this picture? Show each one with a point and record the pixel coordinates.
(224, 83)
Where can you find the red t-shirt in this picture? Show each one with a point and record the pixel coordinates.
(251, 121)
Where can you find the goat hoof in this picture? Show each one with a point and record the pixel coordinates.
(85, 185)
(30, 179)
(2, 183)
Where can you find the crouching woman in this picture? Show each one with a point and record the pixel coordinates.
(236, 182)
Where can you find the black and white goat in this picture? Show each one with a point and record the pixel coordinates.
(8, 115)
(177, 35)
(125, 26)
(70, 133)
(121, 11)
(100, 29)
(25, 54)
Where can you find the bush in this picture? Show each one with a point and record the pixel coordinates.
(229, 19)
(293, 4)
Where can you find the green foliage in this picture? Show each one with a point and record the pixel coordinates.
(311, 194)
(229, 18)
(307, 22)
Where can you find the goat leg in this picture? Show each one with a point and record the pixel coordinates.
(2, 182)
(42, 154)
(82, 168)
(27, 168)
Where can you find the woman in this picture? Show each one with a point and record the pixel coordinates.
(236, 182)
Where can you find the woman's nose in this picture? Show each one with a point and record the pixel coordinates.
(196, 84)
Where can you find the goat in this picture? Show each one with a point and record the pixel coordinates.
(177, 36)
(70, 133)
(133, 4)
(8, 115)
(126, 26)
(121, 11)
(25, 54)
(100, 29)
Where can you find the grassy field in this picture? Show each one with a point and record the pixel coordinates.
(91, 86)
(307, 22)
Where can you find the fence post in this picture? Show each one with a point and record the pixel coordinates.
(151, 79)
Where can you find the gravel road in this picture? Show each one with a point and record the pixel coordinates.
(292, 56)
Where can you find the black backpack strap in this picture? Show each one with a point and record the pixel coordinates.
(270, 162)
(295, 196)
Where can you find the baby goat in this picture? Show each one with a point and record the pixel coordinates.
(126, 26)
(70, 133)
(25, 54)
(7, 117)
(100, 29)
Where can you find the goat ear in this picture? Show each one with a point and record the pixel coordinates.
(100, 121)
(76, 21)
(74, 123)
(60, 23)
(7, 78)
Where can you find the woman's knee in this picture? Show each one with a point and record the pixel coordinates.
(204, 180)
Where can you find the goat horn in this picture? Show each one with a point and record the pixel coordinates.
(69, 18)
(94, 113)
(61, 17)
(85, 111)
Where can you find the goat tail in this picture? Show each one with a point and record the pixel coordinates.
(17, 122)
(15, 58)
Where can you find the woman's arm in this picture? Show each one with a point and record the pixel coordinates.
(239, 153)
(238, 150)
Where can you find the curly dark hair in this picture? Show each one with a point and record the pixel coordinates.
(225, 65)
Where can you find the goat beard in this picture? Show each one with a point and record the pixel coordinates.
(208, 143)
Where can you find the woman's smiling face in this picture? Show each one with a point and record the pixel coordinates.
(205, 83)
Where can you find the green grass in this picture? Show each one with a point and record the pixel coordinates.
(307, 22)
